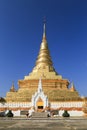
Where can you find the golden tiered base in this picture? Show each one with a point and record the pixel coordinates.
(56, 90)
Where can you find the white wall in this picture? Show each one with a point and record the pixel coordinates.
(16, 113)
(72, 113)
(66, 104)
(53, 105)
(15, 104)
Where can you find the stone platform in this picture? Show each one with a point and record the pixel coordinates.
(59, 123)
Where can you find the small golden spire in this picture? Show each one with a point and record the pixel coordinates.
(12, 89)
(72, 87)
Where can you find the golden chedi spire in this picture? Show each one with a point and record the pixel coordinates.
(44, 58)
(12, 89)
(44, 65)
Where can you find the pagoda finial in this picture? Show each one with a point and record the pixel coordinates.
(44, 28)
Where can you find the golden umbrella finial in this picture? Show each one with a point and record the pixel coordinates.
(44, 28)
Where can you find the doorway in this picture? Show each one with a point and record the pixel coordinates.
(40, 105)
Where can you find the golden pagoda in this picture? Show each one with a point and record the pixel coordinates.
(54, 86)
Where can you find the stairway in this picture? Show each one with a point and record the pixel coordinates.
(37, 115)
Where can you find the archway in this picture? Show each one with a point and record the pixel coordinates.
(40, 104)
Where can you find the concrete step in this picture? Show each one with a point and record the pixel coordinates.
(39, 115)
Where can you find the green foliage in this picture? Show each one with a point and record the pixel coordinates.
(66, 114)
(9, 114)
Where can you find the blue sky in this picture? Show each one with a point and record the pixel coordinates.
(21, 28)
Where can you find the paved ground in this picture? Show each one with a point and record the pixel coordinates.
(43, 124)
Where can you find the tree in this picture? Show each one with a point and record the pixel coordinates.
(66, 114)
(9, 114)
